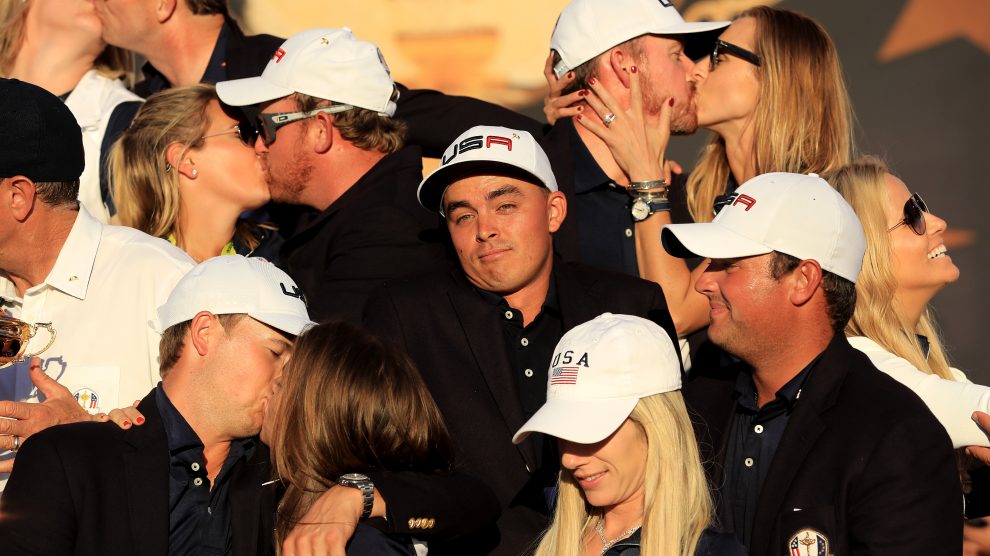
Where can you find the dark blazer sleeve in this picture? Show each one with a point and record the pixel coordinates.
(908, 501)
(37, 516)
(435, 506)
(436, 119)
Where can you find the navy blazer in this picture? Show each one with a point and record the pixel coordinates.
(862, 461)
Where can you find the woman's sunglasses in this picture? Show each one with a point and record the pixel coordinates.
(914, 215)
(245, 132)
(722, 47)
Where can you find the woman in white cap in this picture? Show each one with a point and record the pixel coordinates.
(631, 480)
(906, 264)
(186, 170)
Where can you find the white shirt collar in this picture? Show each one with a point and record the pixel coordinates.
(74, 265)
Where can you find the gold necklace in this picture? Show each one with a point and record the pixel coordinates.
(607, 544)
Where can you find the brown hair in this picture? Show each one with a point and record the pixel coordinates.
(840, 294)
(803, 121)
(584, 72)
(365, 129)
(350, 403)
(173, 338)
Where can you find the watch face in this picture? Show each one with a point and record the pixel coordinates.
(354, 477)
(640, 210)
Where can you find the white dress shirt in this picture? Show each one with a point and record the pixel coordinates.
(103, 290)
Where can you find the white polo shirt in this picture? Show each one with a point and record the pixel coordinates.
(105, 287)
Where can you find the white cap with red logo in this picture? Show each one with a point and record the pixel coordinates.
(795, 214)
(491, 149)
(587, 28)
(330, 64)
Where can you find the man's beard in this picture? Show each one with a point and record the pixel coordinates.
(684, 120)
(287, 185)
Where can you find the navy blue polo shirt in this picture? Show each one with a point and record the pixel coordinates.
(198, 512)
(606, 235)
(753, 437)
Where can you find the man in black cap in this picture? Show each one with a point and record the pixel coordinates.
(97, 285)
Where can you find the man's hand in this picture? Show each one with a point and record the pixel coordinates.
(24, 419)
(329, 523)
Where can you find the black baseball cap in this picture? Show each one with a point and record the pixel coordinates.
(39, 136)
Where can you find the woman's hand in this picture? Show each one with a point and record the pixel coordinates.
(555, 106)
(637, 144)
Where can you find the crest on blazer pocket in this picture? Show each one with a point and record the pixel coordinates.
(808, 542)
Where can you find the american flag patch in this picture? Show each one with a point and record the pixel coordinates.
(563, 375)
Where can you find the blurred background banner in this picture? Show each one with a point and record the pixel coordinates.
(918, 72)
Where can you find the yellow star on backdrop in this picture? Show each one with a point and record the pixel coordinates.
(923, 24)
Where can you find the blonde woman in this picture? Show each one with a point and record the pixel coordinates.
(906, 264)
(631, 479)
(57, 45)
(773, 95)
(186, 170)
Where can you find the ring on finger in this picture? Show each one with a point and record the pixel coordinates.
(17, 444)
(608, 119)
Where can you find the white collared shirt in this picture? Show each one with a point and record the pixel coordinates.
(100, 296)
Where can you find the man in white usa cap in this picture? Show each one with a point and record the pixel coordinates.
(328, 141)
(483, 334)
(817, 451)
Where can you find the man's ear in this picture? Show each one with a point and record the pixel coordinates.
(321, 132)
(203, 330)
(20, 196)
(805, 280)
(556, 210)
(165, 9)
(619, 61)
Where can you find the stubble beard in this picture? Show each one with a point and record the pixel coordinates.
(287, 185)
(684, 120)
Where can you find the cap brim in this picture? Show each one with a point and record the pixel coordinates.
(580, 421)
(708, 240)
(288, 323)
(250, 90)
(430, 192)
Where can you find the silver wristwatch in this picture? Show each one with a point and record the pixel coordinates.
(642, 208)
(364, 484)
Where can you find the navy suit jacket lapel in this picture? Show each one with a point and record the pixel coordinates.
(146, 462)
(479, 322)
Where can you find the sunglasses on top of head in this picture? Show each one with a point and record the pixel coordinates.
(914, 215)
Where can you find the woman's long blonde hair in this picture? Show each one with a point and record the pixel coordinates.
(113, 62)
(877, 316)
(350, 403)
(803, 121)
(145, 188)
(677, 506)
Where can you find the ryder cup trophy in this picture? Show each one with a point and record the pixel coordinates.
(14, 337)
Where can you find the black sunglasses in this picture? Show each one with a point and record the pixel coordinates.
(245, 132)
(914, 215)
(737, 51)
(268, 124)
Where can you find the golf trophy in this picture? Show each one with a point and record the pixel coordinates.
(14, 337)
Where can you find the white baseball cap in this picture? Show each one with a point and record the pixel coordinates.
(599, 372)
(486, 148)
(330, 64)
(796, 214)
(233, 284)
(587, 28)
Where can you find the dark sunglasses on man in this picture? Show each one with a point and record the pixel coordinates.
(914, 215)
(269, 124)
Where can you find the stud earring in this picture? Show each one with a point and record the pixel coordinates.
(195, 172)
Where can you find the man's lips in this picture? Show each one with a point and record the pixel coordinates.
(492, 253)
